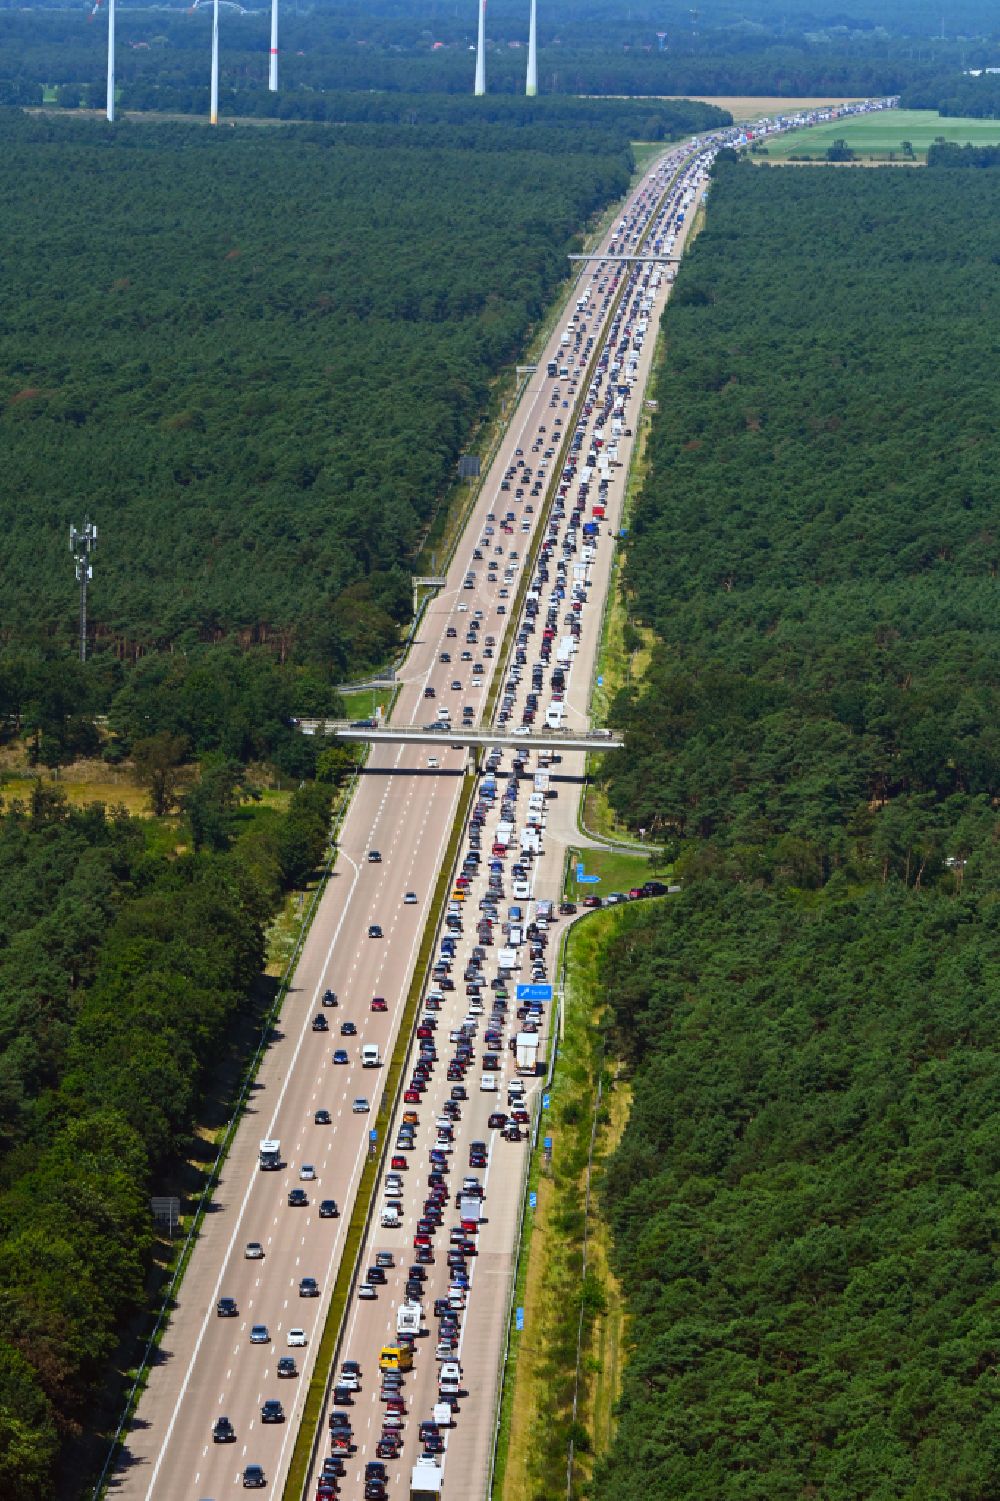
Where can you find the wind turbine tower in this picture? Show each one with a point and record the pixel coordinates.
(214, 105)
(272, 72)
(480, 51)
(111, 54)
(531, 87)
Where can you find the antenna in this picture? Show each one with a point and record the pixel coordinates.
(213, 113)
(531, 87)
(661, 37)
(81, 545)
(272, 70)
(481, 51)
(111, 54)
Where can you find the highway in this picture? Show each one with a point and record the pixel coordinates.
(403, 811)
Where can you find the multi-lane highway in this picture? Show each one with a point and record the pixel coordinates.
(363, 946)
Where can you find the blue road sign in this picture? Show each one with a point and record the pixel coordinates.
(532, 1200)
(583, 880)
(545, 1101)
(534, 992)
(373, 1134)
(519, 1319)
(547, 1143)
(600, 680)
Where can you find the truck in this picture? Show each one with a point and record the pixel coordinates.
(390, 1219)
(370, 1056)
(566, 650)
(425, 1480)
(470, 1208)
(507, 958)
(270, 1155)
(541, 781)
(527, 1052)
(408, 1318)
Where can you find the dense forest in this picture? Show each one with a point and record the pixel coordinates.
(817, 544)
(122, 973)
(260, 395)
(597, 47)
(804, 1198)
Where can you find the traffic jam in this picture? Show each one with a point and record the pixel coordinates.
(471, 1084)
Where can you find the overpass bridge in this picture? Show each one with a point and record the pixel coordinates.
(460, 735)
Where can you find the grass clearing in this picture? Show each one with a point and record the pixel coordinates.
(879, 135)
(537, 1414)
(617, 871)
(362, 705)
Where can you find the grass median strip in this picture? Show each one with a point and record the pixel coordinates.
(536, 1420)
(308, 1434)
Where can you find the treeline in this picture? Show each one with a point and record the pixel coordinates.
(950, 154)
(815, 545)
(254, 358)
(122, 973)
(956, 94)
(586, 49)
(804, 1201)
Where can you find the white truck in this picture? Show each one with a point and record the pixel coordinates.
(470, 1208)
(507, 958)
(270, 1154)
(554, 717)
(425, 1480)
(527, 1052)
(370, 1056)
(409, 1317)
(390, 1218)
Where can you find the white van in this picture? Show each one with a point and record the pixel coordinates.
(370, 1056)
(390, 1218)
(489, 1083)
(554, 717)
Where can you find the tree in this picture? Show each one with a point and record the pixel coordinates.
(839, 151)
(157, 761)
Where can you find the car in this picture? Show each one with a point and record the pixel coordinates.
(260, 1334)
(410, 899)
(376, 1275)
(497, 1120)
(254, 1478)
(340, 1055)
(328, 1209)
(254, 1251)
(296, 1338)
(398, 1163)
(272, 1411)
(287, 1366)
(223, 1432)
(322, 1118)
(320, 1023)
(374, 930)
(350, 1380)
(298, 1198)
(374, 857)
(348, 1029)
(360, 1106)
(307, 1173)
(226, 1308)
(366, 1291)
(378, 1003)
(329, 998)
(308, 1287)
(387, 1448)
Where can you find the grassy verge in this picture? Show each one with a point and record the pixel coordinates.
(309, 1432)
(537, 1422)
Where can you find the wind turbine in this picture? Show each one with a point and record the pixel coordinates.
(213, 108)
(481, 51)
(111, 54)
(531, 86)
(272, 69)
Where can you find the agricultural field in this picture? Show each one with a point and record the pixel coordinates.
(877, 135)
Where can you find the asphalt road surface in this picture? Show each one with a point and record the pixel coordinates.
(404, 809)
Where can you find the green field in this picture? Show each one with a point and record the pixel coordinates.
(616, 870)
(882, 133)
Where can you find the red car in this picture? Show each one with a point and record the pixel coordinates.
(411, 1097)
(399, 1164)
(421, 1240)
(378, 1003)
